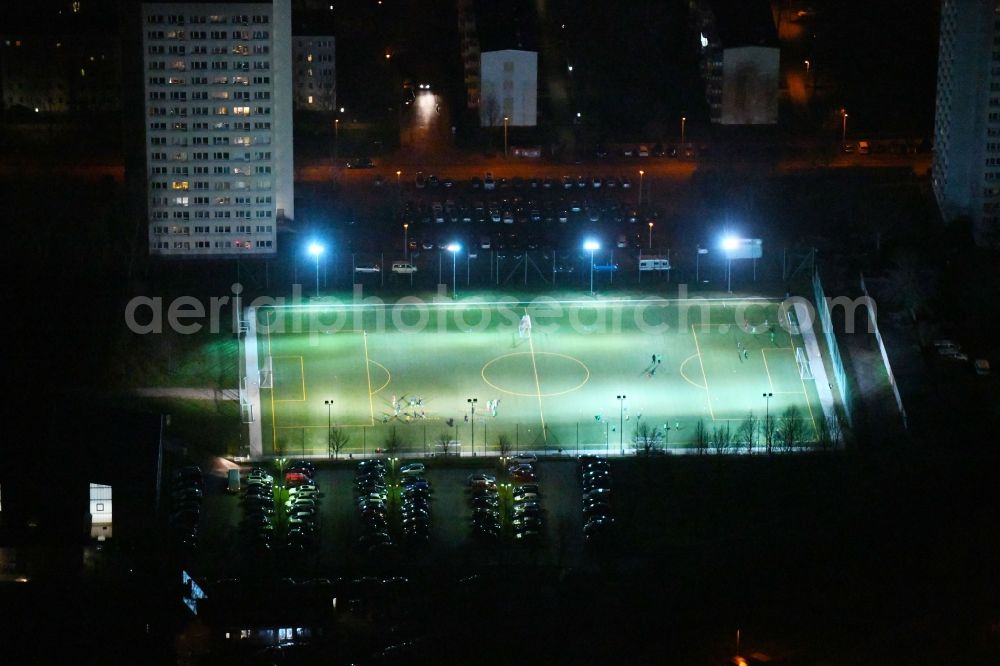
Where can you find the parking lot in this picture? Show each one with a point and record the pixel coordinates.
(224, 549)
(523, 213)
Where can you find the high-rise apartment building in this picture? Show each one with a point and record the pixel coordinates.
(966, 171)
(738, 59)
(315, 59)
(218, 86)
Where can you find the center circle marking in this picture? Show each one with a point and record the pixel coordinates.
(586, 376)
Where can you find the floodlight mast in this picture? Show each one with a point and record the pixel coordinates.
(453, 248)
(316, 249)
(729, 243)
(591, 246)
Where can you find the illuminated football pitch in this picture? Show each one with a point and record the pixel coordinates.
(414, 366)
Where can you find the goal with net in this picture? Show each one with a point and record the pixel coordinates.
(805, 370)
(267, 373)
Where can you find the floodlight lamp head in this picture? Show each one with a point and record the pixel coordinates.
(730, 243)
(315, 249)
(453, 247)
(591, 245)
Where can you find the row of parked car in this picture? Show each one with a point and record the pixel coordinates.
(485, 503)
(516, 210)
(371, 496)
(524, 511)
(186, 494)
(518, 184)
(258, 528)
(415, 499)
(302, 507)
(526, 499)
(595, 480)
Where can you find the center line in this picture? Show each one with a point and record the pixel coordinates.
(368, 370)
(538, 385)
(708, 394)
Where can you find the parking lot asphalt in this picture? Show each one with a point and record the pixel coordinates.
(221, 554)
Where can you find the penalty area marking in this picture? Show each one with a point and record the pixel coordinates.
(388, 376)
(688, 379)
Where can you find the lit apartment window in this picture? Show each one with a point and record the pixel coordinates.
(179, 185)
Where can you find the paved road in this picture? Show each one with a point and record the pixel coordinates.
(460, 164)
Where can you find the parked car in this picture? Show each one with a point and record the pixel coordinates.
(296, 479)
(480, 480)
(524, 475)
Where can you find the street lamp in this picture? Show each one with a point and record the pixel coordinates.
(406, 241)
(329, 426)
(453, 248)
(697, 263)
(650, 235)
(641, 174)
(729, 243)
(767, 416)
(843, 129)
(505, 121)
(808, 64)
(336, 137)
(621, 422)
(683, 122)
(315, 249)
(472, 403)
(591, 246)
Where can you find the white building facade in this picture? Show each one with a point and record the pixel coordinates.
(966, 170)
(218, 90)
(749, 86)
(508, 88)
(314, 59)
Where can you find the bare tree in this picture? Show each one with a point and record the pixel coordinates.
(444, 441)
(828, 432)
(792, 428)
(768, 428)
(647, 439)
(747, 432)
(504, 445)
(700, 436)
(721, 439)
(491, 109)
(338, 440)
(392, 442)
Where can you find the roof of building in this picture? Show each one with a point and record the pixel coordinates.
(744, 23)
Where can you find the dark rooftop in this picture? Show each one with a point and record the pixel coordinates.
(744, 23)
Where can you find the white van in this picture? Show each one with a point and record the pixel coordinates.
(403, 267)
